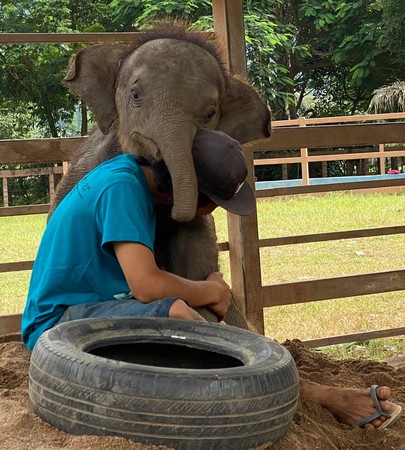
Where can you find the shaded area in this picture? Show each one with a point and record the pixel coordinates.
(166, 355)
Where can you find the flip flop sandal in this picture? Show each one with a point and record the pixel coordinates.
(392, 416)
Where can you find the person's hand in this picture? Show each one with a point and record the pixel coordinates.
(221, 295)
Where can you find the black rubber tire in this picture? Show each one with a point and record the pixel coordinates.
(183, 384)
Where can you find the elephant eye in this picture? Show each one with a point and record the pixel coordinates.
(136, 95)
(209, 115)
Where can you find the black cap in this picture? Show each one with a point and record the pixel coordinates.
(221, 171)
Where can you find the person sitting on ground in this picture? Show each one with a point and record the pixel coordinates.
(96, 259)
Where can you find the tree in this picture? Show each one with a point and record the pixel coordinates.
(32, 74)
(392, 24)
(391, 97)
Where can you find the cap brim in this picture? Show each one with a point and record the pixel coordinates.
(242, 203)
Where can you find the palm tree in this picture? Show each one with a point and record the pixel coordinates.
(389, 98)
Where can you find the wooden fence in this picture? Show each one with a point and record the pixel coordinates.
(50, 172)
(302, 157)
(243, 243)
(283, 138)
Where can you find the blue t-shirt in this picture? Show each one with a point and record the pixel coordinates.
(76, 262)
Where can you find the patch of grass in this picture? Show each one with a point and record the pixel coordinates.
(20, 237)
(332, 212)
(378, 349)
(13, 291)
(19, 241)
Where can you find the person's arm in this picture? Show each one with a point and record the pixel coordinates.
(147, 282)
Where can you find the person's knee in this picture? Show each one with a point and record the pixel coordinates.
(180, 310)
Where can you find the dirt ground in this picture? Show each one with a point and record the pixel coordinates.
(312, 428)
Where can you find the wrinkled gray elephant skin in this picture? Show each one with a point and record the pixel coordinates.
(150, 98)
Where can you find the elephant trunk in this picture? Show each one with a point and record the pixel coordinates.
(178, 158)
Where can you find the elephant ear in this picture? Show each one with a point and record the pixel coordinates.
(91, 76)
(245, 116)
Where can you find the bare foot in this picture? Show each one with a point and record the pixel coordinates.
(346, 404)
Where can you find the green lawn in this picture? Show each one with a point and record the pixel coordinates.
(20, 236)
(333, 212)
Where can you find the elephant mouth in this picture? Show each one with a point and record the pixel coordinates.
(175, 151)
(145, 157)
(145, 147)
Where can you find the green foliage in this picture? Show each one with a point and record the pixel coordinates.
(28, 190)
(137, 14)
(393, 28)
(18, 122)
(32, 74)
(347, 61)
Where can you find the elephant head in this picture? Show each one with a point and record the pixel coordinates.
(154, 95)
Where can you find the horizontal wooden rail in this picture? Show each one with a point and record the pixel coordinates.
(330, 288)
(10, 323)
(345, 338)
(303, 121)
(16, 266)
(47, 150)
(322, 237)
(332, 236)
(15, 173)
(270, 242)
(325, 136)
(61, 38)
(317, 188)
(24, 210)
(327, 157)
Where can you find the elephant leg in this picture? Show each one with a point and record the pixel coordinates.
(186, 249)
(190, 251)
(233, 317)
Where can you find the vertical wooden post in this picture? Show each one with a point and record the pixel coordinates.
(242, 231)
(51, 187)
(381, 159)
(324, 169)
(5, 192)
(284, 171)
(228, 24)
(304, 158)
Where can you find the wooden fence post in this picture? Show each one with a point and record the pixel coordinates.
(51, 183)
(5, 192)
(381, 159)
(284, 171)
(324, 169)
(65, 166)
(304, 157)
(243, 231)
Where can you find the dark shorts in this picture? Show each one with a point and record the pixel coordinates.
(119, 308)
